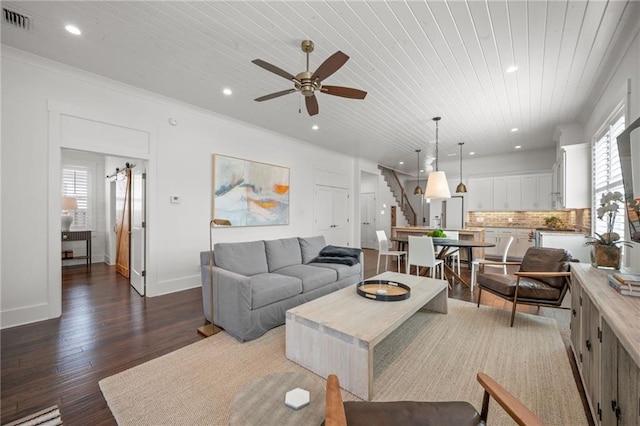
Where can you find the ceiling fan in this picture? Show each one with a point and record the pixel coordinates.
(309, 83)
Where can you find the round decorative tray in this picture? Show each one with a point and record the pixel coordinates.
(384, 290)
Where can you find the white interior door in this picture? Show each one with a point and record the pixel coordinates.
(340, 202)
(331, 214)
(367, 220)
(138, 262)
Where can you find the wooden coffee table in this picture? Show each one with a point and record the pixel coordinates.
(336, 333)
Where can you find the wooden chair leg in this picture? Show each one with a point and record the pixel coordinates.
(479, 294)
(515, 301)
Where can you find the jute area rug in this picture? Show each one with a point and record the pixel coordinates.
(432, 357)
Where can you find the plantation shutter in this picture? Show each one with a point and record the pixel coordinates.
(607, 173)
(75, 183)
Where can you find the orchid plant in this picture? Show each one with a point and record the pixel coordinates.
(608, 210)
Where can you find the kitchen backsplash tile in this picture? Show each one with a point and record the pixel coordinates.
(578, 219)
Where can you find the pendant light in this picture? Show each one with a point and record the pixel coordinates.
(437, 185)
(418, 190)
(461, 188)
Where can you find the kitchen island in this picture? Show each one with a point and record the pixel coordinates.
(469, 234)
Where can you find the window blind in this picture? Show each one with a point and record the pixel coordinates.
(607, 173)
(75, 183)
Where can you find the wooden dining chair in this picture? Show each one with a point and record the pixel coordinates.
(422, 253)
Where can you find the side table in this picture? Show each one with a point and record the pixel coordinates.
(79, 236)
(262, 401)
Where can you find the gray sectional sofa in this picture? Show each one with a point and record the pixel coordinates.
(256, 282)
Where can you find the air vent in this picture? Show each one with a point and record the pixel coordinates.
(16, 19)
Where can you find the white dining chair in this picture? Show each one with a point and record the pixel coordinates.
(454, 255)
(383, 250)
(489, 264)
(422, 253)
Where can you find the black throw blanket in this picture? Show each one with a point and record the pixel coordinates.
(342, 255)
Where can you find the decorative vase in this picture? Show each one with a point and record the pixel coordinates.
(603, 256)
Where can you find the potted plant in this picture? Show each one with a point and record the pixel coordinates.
(606, 248)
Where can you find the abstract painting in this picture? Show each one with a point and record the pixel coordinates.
(249, 193)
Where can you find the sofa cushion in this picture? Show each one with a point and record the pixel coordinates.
(270, 288)
(548, 260)
(343, 271)
(310, 247)
(529, 288)
(312, 277)
(247, 258)
(283, 252)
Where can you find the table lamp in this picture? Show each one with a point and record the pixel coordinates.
(68, 203)
(210, 329)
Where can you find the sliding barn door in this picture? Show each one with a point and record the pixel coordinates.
(123, 221)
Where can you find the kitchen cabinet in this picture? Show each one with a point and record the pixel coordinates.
(507, 193)
(500, 237)
(480, 194)
(606, 346)
(536, 192)
(522, 242)
(573, 177)
(518, 192)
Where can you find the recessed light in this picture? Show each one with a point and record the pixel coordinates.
(73, 29)
(518, 147)
(401, 163)
(451, 154)
(515, 129)
(315, 127)
(512, 68)
(227, 91)
(421, 170)
(472, 153)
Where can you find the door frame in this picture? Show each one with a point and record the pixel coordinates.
(133, 141)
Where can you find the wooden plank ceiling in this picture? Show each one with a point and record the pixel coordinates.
(416, 60)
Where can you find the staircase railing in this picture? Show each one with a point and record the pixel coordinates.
(399, 194)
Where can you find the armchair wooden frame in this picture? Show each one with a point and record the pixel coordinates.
(528, 301)
(335, 413)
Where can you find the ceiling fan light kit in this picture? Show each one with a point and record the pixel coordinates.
(437, 185)
(308, 83)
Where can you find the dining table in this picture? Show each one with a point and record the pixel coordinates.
(447, 246)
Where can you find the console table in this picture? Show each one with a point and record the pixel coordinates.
(605, 339)
(79, 236)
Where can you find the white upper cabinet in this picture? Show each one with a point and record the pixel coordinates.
(573, 178)
(520, 192)
(537, 192)
(480, 194)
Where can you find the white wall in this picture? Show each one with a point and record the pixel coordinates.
(625, 75)
(179, 163)
(513, 163)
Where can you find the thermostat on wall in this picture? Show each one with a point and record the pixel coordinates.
(175, 199)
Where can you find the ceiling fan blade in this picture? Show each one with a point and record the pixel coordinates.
(345, 92)
(274, 95)
(330, 65)
(312, 104)
(269, 67)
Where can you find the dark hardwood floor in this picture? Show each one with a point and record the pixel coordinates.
(106, 327)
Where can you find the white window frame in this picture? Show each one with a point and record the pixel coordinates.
(84, 216)
(607, 173)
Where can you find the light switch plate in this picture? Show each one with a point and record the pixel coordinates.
(175, 199)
